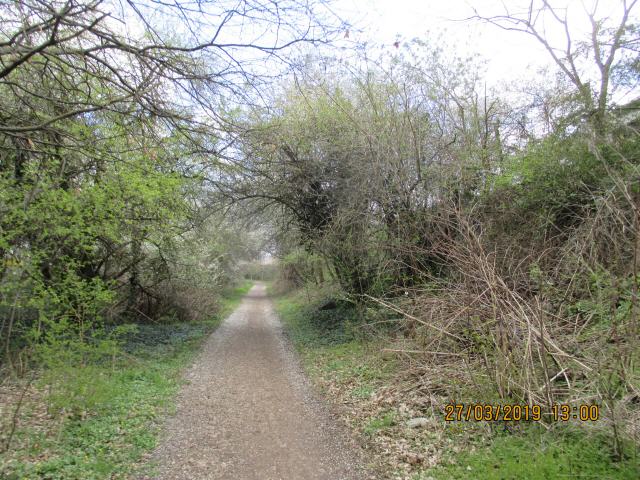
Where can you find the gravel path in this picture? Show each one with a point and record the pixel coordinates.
(248, 413)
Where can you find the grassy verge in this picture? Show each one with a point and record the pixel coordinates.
(332, 348)
(380, 397)
(537, 454)
(134, 394)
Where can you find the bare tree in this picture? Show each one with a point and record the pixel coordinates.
(96, 41)
(604, 47)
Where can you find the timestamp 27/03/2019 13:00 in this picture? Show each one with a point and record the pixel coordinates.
(562, 412)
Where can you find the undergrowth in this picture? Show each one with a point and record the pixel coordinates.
(379, 398)
(110, 440)
(331, 343)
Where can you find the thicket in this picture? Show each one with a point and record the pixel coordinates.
(505, 234)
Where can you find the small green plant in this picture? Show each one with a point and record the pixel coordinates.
(538, 455)
(376, 424)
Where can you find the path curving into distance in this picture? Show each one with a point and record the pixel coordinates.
(248, 413)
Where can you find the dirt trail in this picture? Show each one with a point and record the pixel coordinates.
(247, 412)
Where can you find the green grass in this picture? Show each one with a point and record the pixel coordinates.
(380, 423)
(331, 346)
(535, 454)
(111, 440)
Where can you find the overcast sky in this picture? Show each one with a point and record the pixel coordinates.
(510, 55)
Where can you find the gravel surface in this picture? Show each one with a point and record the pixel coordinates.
(247, 411)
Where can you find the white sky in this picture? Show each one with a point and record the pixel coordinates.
(510, 55)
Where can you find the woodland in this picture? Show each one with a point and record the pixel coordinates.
(153, 154)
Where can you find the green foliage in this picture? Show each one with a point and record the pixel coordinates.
(123, 425)
(100, 198)
(112, 410)
(380, 423)
(538, 455)
(76, 374)
(356, 164)
(610, 301)
(261, 271)
(300, 267)
(549, 185)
